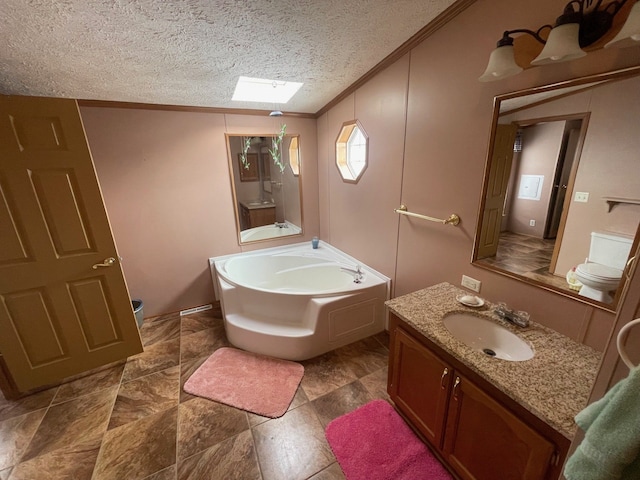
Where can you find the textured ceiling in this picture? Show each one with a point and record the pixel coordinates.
(191, 52)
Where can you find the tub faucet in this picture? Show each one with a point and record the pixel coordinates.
(281, 225)
(521, 319)
(357, 273)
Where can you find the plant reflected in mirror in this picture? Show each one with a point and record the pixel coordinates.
(276, 150)
(245, 150)
(267, 201)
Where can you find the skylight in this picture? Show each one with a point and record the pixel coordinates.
(266, 91)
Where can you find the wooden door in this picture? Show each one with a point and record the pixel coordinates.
(419, 385)
(499, 173)
(484, 441)
(58, 315)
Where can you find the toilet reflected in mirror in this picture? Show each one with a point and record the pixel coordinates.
(562, 164)
(602, 271)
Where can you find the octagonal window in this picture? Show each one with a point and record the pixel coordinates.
(352, 151)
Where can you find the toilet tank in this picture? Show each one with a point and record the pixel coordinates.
(609, 249)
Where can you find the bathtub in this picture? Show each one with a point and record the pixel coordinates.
(268, 231)
(296, 302)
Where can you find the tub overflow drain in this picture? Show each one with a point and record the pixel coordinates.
(489, 352)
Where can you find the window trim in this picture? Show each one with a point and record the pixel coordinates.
(341, 151)
(294, 155)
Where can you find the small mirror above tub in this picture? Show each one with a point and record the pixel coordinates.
(560, 205)
(266, 190)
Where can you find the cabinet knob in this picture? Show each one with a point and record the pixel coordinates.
(445, 372)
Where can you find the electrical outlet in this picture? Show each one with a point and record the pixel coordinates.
(581, 197)
(532, 223)
(471, 283)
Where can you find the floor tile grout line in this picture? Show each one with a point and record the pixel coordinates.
(144, 376)
(380, 341)
(324, 430)
(148, 375)
(35, 430)
(81, 395)
(340, 359)
(179, 413)
(106, 429)
(255, 445)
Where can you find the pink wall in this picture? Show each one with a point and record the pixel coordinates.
(608, 163)
(359, 217)
(539, 156)
(165, 180)
(448, 122)
(166, 185)
(613, 137)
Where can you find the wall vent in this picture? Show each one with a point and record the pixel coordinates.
(201, 308)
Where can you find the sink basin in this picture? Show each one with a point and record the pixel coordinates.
(488, 337)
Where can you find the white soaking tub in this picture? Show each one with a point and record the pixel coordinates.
(296, 302)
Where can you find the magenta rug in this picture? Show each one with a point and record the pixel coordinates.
(374, 443)
(252, 382)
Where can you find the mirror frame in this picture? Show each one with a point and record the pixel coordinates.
(234, 194)
(597, 79)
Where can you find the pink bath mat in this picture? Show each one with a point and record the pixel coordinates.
(374, 443)
(252, 382)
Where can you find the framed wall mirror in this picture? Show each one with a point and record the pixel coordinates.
(267, 195)
(560, 206)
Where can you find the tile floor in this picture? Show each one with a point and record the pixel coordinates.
(527, 256)
(133, 421)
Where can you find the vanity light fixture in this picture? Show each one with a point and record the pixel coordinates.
(629, 34)
(579, 26)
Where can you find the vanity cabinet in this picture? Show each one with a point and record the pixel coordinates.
(486, 441)
(469, 427)
(419, 384)
(256, 217)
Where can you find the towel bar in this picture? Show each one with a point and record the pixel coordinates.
(452, 220)
(621, 335)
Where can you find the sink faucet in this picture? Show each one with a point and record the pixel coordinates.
(357, 273)
(281, 225)
(521, 319)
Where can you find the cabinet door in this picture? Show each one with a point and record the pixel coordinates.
(263, 216)
(245, 218)
(484, 441)
(419, 386)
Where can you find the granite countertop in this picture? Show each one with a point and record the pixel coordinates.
(554, 385)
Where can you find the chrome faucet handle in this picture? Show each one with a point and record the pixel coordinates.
(519, 318)
(358, 274)
(502, 310)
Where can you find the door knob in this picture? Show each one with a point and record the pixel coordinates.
(107, 263)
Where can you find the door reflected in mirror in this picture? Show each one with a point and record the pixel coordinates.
(557, 156)
(267, 194)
